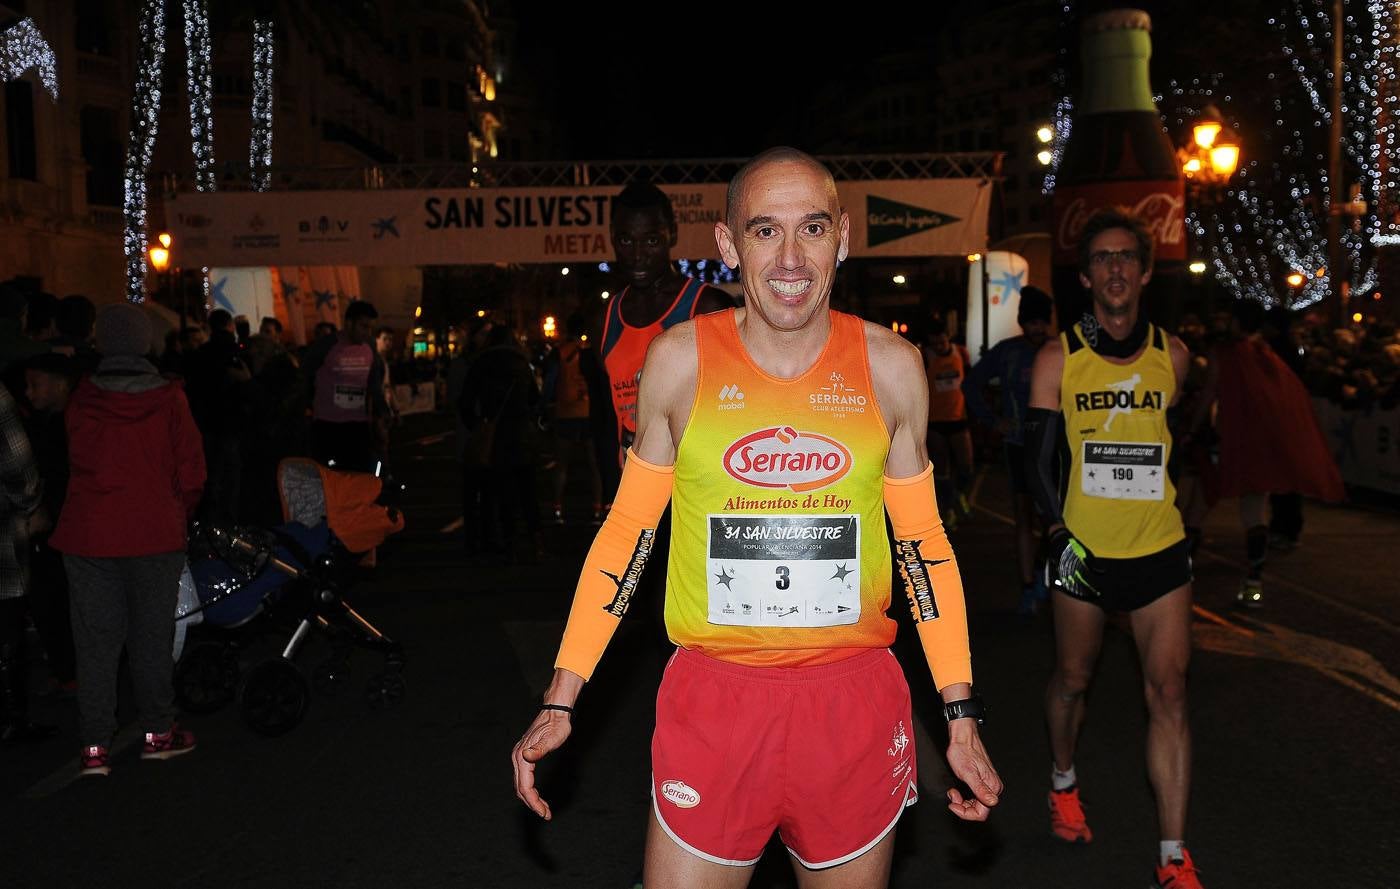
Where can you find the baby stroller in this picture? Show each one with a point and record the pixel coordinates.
(239, 575)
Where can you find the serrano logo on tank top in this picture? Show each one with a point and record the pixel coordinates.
(782, 457)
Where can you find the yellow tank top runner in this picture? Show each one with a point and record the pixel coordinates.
(778, 549)
(1120, 501)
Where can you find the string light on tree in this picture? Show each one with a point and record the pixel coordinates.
(23, 47)
(145, 117)
(260, 143)
(199, 85)
(1276, 220)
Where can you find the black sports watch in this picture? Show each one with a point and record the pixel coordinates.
(967, 708)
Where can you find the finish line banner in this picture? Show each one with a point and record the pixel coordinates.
(923, 217)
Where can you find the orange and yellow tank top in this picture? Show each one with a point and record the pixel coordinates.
(779, 555)
(945, 378)
(1120, 501)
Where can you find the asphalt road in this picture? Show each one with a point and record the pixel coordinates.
(1295, 711)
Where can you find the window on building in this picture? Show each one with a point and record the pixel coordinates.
(455, 48)
(428, 43)
(20, 141)
(984, 141)
(458, 149)
(1013, 216)
(103, 149)
(1010, 184)
(965, 140)
(92, 29)
(432, 92)
(1035, 213)
(456, 96)
(432, 145)
(406, 101)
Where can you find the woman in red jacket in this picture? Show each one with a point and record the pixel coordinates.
(137, 472)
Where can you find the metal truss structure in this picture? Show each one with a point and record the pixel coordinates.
(564, 174)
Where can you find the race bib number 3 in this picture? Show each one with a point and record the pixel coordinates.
(1124, 470)
(784, 571)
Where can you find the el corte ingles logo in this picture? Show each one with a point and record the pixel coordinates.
(888, 220)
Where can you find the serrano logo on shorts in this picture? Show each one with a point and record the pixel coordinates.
(782, 457)
(680, 793)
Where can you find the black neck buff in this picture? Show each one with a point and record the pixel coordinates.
(1101, 342)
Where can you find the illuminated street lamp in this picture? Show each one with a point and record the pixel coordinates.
(1045, 134)
(160, 258)
(549, 327)
(1197, 267)
(1296, 279)
(1208, 160)
(899, 279)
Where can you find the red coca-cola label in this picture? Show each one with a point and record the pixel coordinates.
(1159, 203)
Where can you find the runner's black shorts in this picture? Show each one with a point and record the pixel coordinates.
(1130, 584)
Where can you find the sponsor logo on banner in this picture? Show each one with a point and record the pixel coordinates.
(782, 457)
(1160, 205)
(323, 230)
(382, 227)
(257, 240)
(887, 220)
(680, 794)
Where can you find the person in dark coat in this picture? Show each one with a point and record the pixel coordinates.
(501, 390)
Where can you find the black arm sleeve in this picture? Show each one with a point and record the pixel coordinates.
(1043, 431)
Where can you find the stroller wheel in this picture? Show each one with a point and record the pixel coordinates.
(274, 698)
(329, 676)
(385, 690)
(206, 678)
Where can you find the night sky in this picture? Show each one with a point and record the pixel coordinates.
(729, 79)
(632, 85)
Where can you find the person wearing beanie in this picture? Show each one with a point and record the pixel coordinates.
(136, 475)
(1009, 363)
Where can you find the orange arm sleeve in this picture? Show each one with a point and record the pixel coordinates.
(931, 579)
(614, 564)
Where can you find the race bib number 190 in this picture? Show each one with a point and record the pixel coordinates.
(1124, 470)
(784, 571)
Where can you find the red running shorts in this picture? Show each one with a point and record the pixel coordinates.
(824, 755)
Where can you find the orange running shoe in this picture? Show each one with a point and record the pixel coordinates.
(1177, 874)
(1067, 816)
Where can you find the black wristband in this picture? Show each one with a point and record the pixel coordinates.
(967, 708)
(560, 707)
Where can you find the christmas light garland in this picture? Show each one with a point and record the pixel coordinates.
(199, 85)
(260, 144)
(1275, 221)
(145, 118)
(22, 47)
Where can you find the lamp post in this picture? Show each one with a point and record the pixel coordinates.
(1208, 161)
(159, 256)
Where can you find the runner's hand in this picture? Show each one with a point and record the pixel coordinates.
(549, 730)
(1071, 565)
(969, 761)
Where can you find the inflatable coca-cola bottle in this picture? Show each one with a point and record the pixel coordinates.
(1118, 155)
